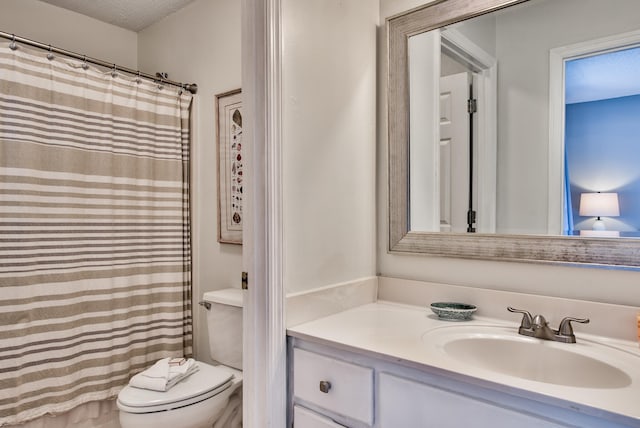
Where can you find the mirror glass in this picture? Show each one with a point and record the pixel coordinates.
(525, 121)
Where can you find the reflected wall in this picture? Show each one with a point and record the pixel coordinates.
(603, 154)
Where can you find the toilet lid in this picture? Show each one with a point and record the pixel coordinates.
(206, 382)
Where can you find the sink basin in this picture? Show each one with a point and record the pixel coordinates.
(585, 364)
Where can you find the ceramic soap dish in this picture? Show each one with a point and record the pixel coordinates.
(453, 311)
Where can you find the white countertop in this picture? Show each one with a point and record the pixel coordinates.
(394, 332)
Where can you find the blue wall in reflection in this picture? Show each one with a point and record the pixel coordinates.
(602, 146)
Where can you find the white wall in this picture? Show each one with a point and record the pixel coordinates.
(329, 84)
(389, 8)
(612, 286)
(201, 44)
(424, 133)
(62, 28)
(481, 30)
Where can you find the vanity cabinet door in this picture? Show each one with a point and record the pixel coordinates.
(408, 404)
(335, 385)
(305, 418)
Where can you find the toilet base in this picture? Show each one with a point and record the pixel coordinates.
(199, 415)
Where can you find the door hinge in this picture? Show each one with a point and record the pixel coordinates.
(471, 219)
(472, 106)
(245, 280)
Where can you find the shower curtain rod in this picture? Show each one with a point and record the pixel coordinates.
(191, 87)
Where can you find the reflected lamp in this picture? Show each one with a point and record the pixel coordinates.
(599, 205)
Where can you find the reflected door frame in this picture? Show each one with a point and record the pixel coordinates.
(557, 58)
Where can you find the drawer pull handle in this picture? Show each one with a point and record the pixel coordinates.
(325, 386)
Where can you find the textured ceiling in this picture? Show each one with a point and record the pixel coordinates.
(133, 15)
(601, 77)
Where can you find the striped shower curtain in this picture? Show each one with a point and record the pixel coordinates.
(95, 264)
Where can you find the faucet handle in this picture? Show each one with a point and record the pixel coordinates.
(566, 329)
(526, 317)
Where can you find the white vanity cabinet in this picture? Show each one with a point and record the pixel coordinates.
(334, 384)
(333, 387)
(409, 404)
(309, 419)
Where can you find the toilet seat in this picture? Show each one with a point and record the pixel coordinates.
(207, 382)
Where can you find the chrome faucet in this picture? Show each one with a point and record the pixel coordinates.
(539, 327)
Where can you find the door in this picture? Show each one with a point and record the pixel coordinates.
(455, 156)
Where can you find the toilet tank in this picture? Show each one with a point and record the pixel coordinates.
(224, 324)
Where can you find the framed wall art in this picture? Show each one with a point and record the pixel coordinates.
(230, 166)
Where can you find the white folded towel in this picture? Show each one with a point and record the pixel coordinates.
(162, 376)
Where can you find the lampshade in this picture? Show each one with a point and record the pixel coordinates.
(599, 205)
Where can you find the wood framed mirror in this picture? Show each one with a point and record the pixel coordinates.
(523, 247)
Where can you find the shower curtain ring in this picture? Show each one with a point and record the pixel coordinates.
(138, 78)
(161, 85)
(50, 55)
(85, 66)
(13, 46)
(114, 73)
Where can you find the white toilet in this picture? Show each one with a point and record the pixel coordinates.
(200, 399)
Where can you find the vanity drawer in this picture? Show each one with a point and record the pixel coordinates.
(335, 385)
(304, 418)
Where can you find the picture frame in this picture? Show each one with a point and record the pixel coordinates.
(230, 166)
